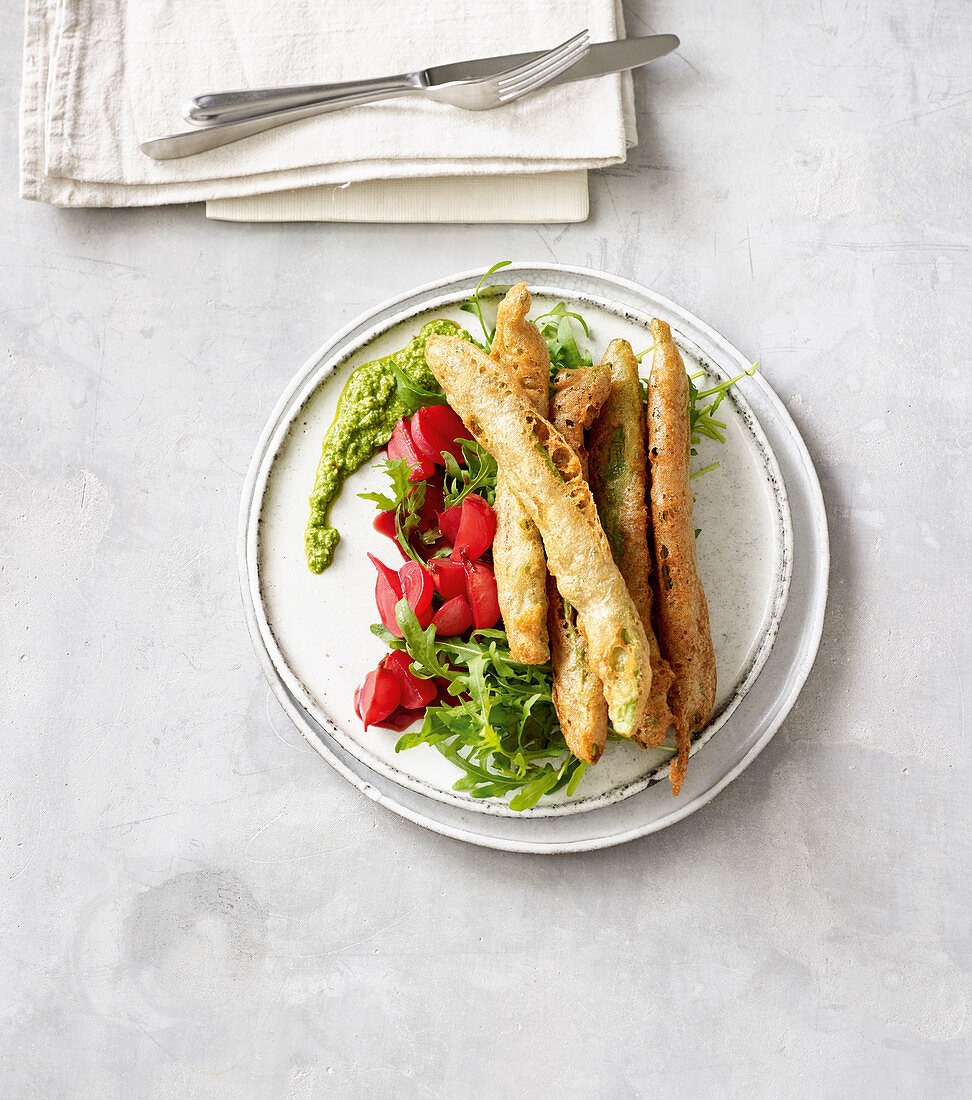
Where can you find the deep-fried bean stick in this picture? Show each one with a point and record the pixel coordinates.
(619, 481)
(518, 558)
(683, 615)
(577, 692)
(546, 475)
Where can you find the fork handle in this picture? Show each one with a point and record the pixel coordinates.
(233, 106)
(224, 133)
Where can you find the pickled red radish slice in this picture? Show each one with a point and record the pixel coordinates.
(481, 592)
(477, 526)
(384, 524)
(401, 445)
(415, 691)
(388, 591)
(449, 521)
(453, 617)
(377, 696)
(417, 586)
(449, 578)
(389, 575)
(438, 428)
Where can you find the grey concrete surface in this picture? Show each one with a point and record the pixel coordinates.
(193, 904)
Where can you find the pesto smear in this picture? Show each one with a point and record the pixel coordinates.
(374, 398)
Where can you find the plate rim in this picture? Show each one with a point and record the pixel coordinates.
(376, 319)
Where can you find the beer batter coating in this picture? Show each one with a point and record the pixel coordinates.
(518, 558)
(577, 692)
(619, 481)
(683, 615)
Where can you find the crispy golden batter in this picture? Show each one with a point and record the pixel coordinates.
(619, 481)
(518, 343)
(546, 475)
(577, 399)
(518, 558)
(577, 692)
(683, 614)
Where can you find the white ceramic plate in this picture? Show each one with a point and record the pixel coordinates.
(311, 632)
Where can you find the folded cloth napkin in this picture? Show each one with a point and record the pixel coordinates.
(100, 76)
(543, 197)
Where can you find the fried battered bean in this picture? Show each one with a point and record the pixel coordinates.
(683, 615)
(577, 692)
(518, 558)
(619, 481)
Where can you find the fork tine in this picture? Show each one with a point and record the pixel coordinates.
(546, 71)
(544, 75)
(529, 68)
(536, 79)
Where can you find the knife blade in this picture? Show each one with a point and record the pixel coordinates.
(601, 59)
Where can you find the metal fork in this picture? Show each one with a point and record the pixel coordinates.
(481, 94)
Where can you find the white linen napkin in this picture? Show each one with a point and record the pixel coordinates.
(540, 197)
(102, 75)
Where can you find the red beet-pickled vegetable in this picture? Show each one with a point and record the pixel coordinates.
(446, 421)
(388, 591)
(400, 719)
(477, 526)
(449, 578)
(386, 601)
(417, 586)
(416, 692)
(481, 591)
(386, 573)
(384, 524)
(437, 428)
(401, 445)
(378, 695)
(449, 521)
(428, 443)
(453, 617)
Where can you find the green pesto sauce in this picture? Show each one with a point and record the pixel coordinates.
(369, 407)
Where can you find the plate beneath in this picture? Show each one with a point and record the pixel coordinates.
(311, 632)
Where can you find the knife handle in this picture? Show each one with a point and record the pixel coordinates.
(205, 138)
(218, 107)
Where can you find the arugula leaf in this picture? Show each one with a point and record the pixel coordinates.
(383, 634)
(407, 500)
(502, 730)
(474, 306)
(479, 476)
(554, 325)
(397, 470)
(701, 420)
(420, 644)
(704, 470)
(561, 342)
(412, 395)
(560, 310)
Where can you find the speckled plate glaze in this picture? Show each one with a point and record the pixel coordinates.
(311, 632)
